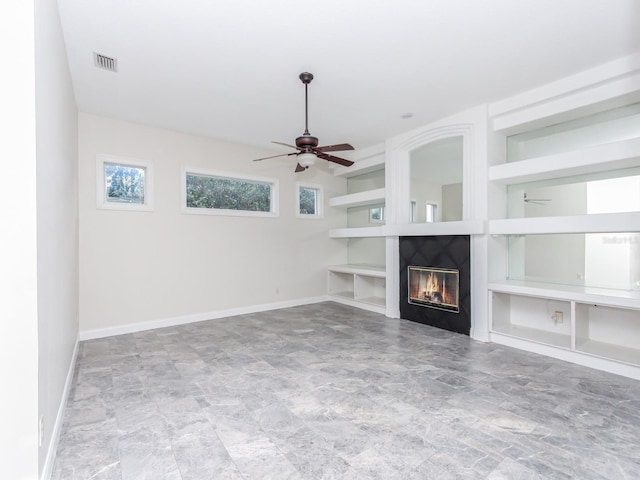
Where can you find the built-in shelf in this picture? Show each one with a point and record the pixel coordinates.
(536, 335)
(362, 286)
(576, 293)
(359, 232)
(470, 227)
(360, 269)
(609, 350)
(595, 326)
(599, 158)
(594, 223)
(370, 197)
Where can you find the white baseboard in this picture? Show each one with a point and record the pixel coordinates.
(47, 468)
(197, 317)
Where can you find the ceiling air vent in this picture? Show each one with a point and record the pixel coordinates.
(108, 63)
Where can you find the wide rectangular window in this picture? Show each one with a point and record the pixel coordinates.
(123, 183)
(309, 201)
(221, 194)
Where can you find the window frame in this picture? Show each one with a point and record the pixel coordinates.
(101, 193)
(273, 182)
(319, 200)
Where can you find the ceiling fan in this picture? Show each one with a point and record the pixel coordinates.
(307, 145)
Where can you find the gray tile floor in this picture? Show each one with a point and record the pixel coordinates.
(332, 392)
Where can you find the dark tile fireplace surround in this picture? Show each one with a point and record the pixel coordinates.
(448, 252)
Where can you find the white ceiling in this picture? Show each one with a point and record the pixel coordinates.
(229, 69)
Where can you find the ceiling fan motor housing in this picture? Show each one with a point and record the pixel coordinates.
(307, 142)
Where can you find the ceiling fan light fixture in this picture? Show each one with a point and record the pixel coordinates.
(307, 159)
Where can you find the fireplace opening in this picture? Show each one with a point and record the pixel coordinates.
(434, 287)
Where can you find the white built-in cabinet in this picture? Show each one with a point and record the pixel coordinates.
(361, 286)
(363, 282)
(552, 216)
(544, 278)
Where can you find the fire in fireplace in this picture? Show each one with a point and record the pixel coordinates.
(434, 288)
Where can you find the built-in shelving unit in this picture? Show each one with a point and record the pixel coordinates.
(564, 317)
(547, 194)
(361, 286)
(595, 326)
(363, 283)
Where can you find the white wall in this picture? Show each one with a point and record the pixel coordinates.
(18, 274)
(451, 202)
(57, 204)
(161, 265)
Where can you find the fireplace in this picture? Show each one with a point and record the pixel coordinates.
(434, 287)
(435, 281)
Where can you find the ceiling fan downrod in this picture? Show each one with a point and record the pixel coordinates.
(306, 78)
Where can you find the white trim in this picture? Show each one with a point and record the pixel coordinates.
(231, 176)
(101, 196)
(47, 468)
(392, 246)
(319, 200)
(196, 317)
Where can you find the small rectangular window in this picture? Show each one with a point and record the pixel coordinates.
(309, 201)
(220, 194)
(413, 207)
(123, 183)
(432, 212)
(376, 215)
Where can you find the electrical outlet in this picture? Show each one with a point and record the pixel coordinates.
(41, 430)
(558, 317)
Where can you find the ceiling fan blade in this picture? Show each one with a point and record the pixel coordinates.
(300, 168)
(286, 145)
(275, 156)
(334, 148)
(338, 160)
